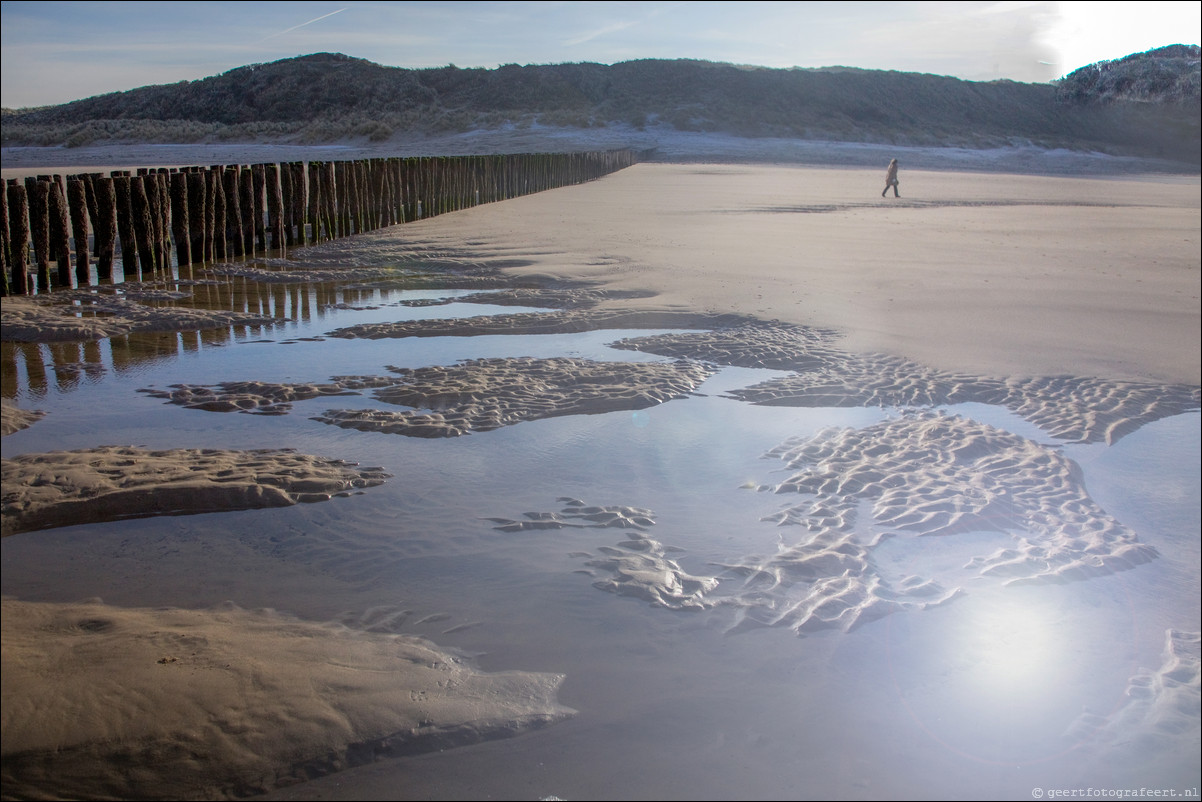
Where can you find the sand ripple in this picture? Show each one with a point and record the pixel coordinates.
(776, 346)
(578, 515)
(1162, 704)
(229, 703)
(484, 394)
(56, 318)
(935, 474)
(563, 321)
(637, 566)
(262, 398)
(63, 488)
(1085, 410)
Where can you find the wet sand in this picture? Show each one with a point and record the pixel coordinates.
(996, 275)
(1071, 302)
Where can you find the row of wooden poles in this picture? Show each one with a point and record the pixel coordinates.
(55, 231)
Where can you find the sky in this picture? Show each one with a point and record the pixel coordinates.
(56, 52)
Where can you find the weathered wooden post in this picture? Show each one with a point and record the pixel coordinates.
(196, 215)
(250, 209)
(275, 205)
(105, 226)
(125, 225)
(391, 200)
(38, 195)
(340, 185)
(6, 287)
(286, 218)
(179, 218)
(357, 197)
(18, 236)
(156, 198)
(347, 189)
(90, 204)
(329, 199)
(421, 181)
(434, 206)
(233, 210)
(300, 201)
(259, 175)
(162, 218)
(77, 201)
(209, 217)
(315, 202)
(408, 192)
(216, 191)
(143, 224)
(368, 198)
(60, 232)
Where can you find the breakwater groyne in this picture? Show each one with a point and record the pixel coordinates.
(77, 230)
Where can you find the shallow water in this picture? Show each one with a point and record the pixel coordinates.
(980, 697)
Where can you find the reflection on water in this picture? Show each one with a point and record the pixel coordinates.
(479, 544)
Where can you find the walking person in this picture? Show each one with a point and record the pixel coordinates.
(891, 179)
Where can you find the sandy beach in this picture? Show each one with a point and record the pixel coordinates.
(1066, 305)
(996, 274)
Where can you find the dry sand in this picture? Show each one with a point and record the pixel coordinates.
(972, 286)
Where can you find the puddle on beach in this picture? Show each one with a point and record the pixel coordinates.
(804, 601)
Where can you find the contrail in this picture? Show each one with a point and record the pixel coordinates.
(303, 24)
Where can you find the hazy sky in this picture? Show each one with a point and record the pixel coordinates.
(55, 52)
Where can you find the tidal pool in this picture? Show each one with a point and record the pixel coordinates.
(768, 601)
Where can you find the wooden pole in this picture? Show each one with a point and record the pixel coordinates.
(342, 185)
(18, 237)
(157, 230)
(125, 224)
(196, 216)
(210, 217)
(60, 232)
(179, 218)
(259, 184)
(246, 189)
(6, 288)
(77, 201)
(315, 201)
(143, 224)
(233, 210)
(217, 193)
(38, 194)
(275, 205)
(105, 226)
(329, 199)
(90, 199)
(300, 201)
